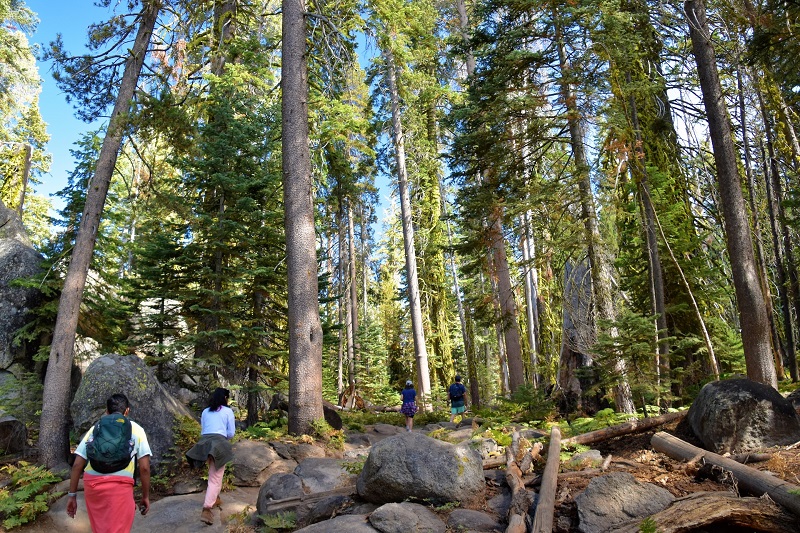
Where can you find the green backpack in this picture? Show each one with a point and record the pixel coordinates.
(110, 446)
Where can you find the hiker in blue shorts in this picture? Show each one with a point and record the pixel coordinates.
(458, 396)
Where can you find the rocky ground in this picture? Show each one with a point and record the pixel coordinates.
(631, 453)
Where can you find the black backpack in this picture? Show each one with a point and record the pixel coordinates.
(457, 391)
(110, 446)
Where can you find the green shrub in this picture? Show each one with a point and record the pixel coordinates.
(278, 522)
(25, 497)
(333, 438)
(354, 467)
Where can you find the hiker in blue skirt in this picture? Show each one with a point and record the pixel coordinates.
(409, 407)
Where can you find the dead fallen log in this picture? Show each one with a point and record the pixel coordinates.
(700, 510)
(748, 479)
(494, 462)
(543, 521)
(276, 506)
(624, 429)
(518, 508)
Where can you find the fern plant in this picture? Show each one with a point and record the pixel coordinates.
(26, 496)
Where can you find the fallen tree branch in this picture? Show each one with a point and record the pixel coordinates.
(624, 429)
(290, 503)
(543, 521)
(703, 509)
(494, 462)
(749, 479)
(745, 458)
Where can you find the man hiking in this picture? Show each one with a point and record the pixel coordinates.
(458, 396)
(109, 453)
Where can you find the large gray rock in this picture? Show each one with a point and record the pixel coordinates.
(18, 260)
(411, 465)
(469, 520)
(250, 459)
(616, 498)
(151, 405)
(322, 474)
(327, 508)
(406, 518)
(739, 415)
(278, 487)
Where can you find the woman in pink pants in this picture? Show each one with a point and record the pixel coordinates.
(217, 427)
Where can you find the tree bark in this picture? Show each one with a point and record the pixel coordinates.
(777, 203)
(353, 284)
(507, 302)
(749, 298)
(531, 297)
(53, 436)
(777, 344)
(304, 327)
(420, 350)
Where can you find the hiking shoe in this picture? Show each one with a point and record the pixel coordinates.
(207, 516)
(217, 503)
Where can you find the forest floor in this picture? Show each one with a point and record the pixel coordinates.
(630, 453)
(634, 454)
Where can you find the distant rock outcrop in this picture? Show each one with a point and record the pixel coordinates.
(411, 465)
(151, 405)
(739, 415)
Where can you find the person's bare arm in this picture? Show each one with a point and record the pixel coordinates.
(144, 477)
(74, 478)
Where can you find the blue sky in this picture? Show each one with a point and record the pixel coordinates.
(71, 18)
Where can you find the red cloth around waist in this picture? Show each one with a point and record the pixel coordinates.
(109, 503)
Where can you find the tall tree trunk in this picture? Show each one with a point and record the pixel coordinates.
(749, 298)
(353, 286)
(601, 286)
(26, 172)
(341, 313)
(501, 271)
(420, 350)
(776, 205)
(658, 299)
(304, 327)
(777, 344)
(508, 305)
(531, 296)
(53, 435)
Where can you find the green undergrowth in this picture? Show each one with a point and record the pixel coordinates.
(26, 495)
